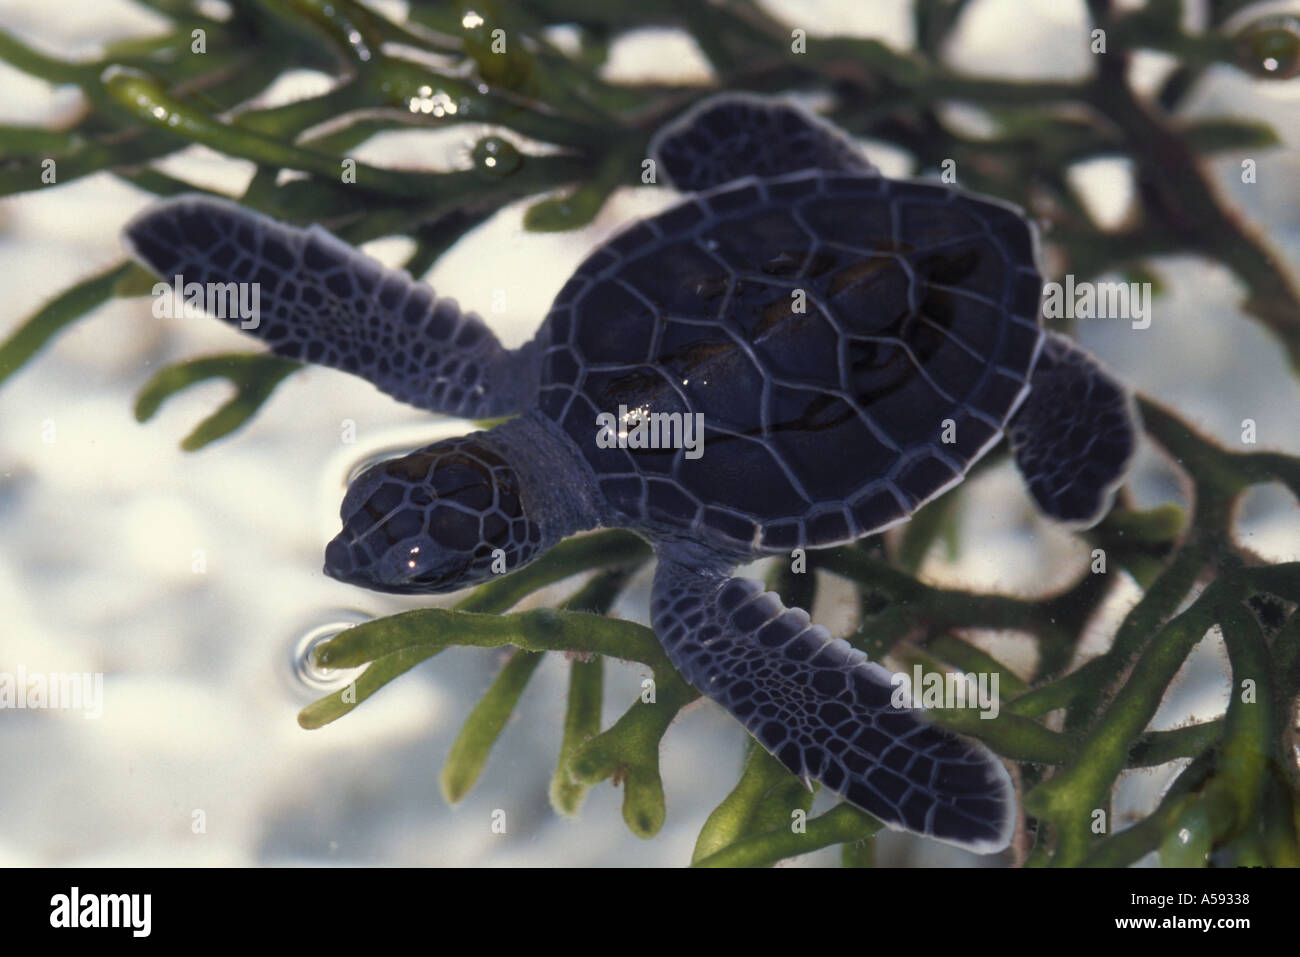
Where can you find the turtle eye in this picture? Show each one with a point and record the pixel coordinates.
(441, 518)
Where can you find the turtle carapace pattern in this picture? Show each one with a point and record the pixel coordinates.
(848, 346)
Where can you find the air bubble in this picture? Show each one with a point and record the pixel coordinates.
(1270, 47)
(496, 156)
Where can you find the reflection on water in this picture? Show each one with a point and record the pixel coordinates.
(309, 680)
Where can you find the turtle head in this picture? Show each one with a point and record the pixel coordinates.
(442, 518)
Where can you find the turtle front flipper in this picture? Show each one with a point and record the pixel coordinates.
(316, 299)
(732, 135)
(825, 711)
(1075, 435)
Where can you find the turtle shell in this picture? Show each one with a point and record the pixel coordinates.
(854, 344)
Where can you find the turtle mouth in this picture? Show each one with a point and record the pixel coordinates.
(348, 561)
(343, 563)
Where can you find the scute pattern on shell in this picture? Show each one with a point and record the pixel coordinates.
(821, 426)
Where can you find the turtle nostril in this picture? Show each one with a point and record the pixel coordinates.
(338, 560)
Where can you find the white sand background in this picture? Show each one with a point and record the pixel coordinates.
(101, 525)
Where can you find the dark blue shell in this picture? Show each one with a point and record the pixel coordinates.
(918, 332)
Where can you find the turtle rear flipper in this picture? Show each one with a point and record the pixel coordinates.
(1075, 435)
(733, 135)
(319, 300)
(825, 711)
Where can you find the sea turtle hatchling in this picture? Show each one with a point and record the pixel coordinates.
(917, 347)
